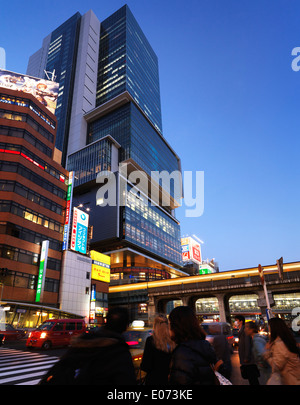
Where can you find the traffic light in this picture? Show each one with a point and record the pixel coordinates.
(280, 268)
(261, 274)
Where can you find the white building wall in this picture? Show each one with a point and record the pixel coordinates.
(85, 85)
(75, 284)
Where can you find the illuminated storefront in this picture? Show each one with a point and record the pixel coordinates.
(247, 305)
(30, 315)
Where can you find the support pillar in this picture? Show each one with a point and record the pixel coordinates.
(185, 300)
(224, 311)
(151, 309)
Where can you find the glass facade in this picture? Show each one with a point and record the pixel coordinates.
(62, 55)
(116, 124)
(89, 161)
(137, 137)
(127, 62)
(151, 228)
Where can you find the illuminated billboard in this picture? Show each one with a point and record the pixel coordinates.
(42, 271)
(100, 266)
(43, 90)
(79, 231)
(68, 211)
(190, 250)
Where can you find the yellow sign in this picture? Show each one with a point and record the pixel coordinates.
(185, 241)
(100, 266)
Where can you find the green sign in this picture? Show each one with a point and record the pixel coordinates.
(42, 271)
(205, 271)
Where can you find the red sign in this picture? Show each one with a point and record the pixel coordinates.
(185, 256)
(197, 253)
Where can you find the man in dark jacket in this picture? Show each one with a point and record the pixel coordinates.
(100, 357)
(249, 369)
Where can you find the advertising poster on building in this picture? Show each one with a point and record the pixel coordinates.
(43, 90)
(100, 266)
(79, 231)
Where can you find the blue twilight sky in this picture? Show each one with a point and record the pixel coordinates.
(230, 108)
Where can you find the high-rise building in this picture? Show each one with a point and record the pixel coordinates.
(113, 117)
(128, 63)
(70, 56)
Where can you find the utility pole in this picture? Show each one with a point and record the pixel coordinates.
(262, 279)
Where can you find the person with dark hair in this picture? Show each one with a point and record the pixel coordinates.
(249, 369)
(193, 356)
(117, 319)
(99, 357)
(157, 353)
(258, 350)
(222, 349)
(282, 354)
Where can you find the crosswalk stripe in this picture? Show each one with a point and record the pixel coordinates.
(25, 376)
(15, 363)
(23, 368)
(31, 382)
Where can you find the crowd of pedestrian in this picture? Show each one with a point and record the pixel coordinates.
(275, 362)
(178, 353)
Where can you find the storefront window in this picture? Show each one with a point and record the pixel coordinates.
(286, 302)
(244, 303)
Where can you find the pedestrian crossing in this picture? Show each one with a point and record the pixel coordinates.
(23, 367)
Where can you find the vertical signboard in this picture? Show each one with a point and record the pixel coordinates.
(79, 231)
(191, 250)
(196, 251)
(100, 266)
(68, 211)
(185, 249)
(42, 271)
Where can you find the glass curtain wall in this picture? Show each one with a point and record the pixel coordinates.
(89, 161)
(138, 139)
(62, 56)
(128, 62)
(151, 228)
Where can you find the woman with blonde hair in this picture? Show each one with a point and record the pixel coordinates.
(157, 353)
